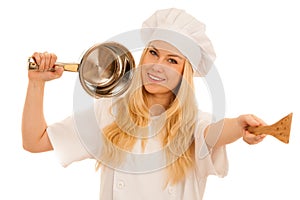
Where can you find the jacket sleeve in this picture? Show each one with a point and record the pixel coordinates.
(66, 142)
(209, 160)
(79, 136)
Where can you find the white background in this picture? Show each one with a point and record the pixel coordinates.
(257, 45)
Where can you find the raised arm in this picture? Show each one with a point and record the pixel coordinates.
(229, 130)
(34, 126)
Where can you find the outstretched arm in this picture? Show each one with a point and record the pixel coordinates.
(34, 134)
(229, 130)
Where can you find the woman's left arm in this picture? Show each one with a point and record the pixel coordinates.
(229, 130)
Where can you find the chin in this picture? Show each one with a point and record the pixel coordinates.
(156, 89)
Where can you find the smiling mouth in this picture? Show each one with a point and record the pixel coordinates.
(155, 78)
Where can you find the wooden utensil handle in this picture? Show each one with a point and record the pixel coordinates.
(280, 130)
(259, 130)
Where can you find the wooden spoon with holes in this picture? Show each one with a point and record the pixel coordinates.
(280, 130)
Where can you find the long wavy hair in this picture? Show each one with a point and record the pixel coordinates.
(176, 134)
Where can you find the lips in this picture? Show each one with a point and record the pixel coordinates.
(155, 78)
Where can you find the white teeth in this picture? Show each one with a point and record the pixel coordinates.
(155, 78)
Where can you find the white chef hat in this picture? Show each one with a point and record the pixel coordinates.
(183, 31)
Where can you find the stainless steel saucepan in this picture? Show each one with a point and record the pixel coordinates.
(105, 69)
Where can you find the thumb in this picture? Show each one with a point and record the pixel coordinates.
(249, 120)
(58, 72)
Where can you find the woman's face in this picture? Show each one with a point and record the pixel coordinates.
(162, 68)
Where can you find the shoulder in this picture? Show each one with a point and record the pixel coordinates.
(204, 116)
(104, 104)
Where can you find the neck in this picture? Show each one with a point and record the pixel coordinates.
(158, 103)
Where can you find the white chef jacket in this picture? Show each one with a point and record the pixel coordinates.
(70, 145)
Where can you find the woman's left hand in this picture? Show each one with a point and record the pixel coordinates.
(251, 120)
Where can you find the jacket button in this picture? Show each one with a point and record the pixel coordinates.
(121, 184)
(171, 190)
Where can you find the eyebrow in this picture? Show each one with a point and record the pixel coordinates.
(172, 55)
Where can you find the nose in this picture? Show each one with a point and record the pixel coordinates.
(158, 65)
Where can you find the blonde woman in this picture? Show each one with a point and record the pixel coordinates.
(155, 142)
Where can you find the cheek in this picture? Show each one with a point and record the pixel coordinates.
(144, 69)
(174, 78)
(146, 59)
(143, 73)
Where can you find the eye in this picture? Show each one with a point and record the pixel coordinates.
(152, 52)
(172, 61)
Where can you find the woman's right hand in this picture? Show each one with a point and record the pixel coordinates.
(45, 61)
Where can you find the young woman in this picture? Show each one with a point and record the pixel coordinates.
(156, 143)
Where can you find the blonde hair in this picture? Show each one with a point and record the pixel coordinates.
(177, 135)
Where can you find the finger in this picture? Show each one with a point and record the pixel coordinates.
(261, 122)
(53, 59)
(252, 120)
(42, 64)
(36, 56)
(252, 139)
(248, 140)
(47, 58)
(256, 137)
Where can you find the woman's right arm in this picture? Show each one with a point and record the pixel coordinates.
(34, 126)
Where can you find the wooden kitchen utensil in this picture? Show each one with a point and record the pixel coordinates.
(280, 130)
